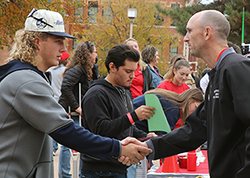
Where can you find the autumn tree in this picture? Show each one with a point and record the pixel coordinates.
(13, 14)
(109, 27)
(112, 27)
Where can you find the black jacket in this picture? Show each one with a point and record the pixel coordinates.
(148, 83)
(96, 72)
(223, 119)
(70, 87)
(105, 109)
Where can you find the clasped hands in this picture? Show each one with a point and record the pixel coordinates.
(133, 151)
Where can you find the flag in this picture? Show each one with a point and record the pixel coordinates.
(242, 37)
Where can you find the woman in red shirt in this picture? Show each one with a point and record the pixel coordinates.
(176, 77)
(143, 80)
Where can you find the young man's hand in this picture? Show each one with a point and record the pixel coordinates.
(144, 112)
(133, 151)
(79, 110)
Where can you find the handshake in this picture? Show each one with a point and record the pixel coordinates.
(133, 151)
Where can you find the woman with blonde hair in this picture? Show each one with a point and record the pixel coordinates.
(177, 75)
(174, 105)
(143, 80)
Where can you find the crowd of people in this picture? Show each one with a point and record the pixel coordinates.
(48, 93)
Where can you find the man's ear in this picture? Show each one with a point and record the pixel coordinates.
(112, 67)
(207, 33)
(37, 42)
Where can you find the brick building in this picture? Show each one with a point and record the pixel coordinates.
(93, 7)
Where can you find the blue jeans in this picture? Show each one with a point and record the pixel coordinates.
(90, 174)
(131, 171)
(64, 157)
(64, 163)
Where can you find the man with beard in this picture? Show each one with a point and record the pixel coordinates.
(108, 110)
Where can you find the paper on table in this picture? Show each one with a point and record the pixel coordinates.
(158, 122)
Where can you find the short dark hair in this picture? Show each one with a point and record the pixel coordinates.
(119, 53)
(148, 54)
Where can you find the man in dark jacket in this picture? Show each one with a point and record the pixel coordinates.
(224, 118)
(108, 110)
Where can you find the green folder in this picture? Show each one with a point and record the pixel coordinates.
(158, 122)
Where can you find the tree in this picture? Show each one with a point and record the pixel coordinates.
(13, 14)
(113, 26)
(231, 8)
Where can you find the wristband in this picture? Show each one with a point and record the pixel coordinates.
(130, 118)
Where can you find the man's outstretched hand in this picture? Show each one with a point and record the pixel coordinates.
(133, 151)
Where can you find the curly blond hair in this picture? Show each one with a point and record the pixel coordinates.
(24, 47)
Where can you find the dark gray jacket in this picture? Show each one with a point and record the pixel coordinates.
(147, 80)
(70, 87)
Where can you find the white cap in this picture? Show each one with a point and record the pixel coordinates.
(46, 21)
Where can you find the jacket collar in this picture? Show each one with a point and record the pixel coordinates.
(15, 65)
(223, 55)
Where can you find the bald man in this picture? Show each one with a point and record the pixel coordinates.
(223, 119)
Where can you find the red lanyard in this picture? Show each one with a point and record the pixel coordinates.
(221, 53)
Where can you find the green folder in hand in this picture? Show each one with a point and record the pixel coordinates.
(158, 122)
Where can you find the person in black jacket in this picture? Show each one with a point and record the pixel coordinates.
(108, 110)
(77, 75)
(224, 118)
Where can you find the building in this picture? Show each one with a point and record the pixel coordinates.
(91, 8)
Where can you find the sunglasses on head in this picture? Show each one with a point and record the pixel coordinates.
(87, 43)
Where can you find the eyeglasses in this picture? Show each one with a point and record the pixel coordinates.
(40, 20)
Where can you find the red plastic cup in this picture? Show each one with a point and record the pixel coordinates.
(191, 161)
(182, 161)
